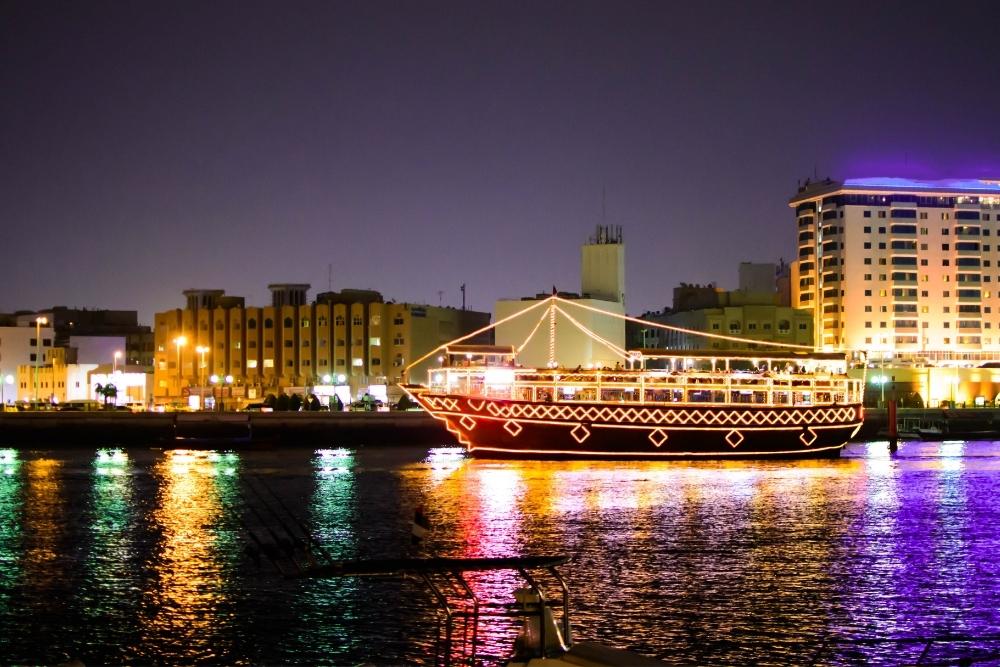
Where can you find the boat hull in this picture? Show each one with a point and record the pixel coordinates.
(494, 428)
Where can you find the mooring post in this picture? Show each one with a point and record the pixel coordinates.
(893, 427)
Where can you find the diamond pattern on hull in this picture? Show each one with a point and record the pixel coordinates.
(658, 436)
(673, 416)
(808, 437)
(580, 433)
(734, 438)
(468, 422)
(513, 428)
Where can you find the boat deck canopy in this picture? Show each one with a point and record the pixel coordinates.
(506, 350)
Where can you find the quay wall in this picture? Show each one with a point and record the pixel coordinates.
(69, 429)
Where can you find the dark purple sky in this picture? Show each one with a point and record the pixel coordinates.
(146, 148)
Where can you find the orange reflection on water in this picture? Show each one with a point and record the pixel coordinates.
(44, 517)
(189, 565)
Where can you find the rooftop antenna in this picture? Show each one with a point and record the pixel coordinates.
(440, 296)
(463, 296)
(604, 204)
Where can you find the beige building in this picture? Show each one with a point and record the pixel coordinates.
(752, 312)
(902, 269)
(350, 337)
(58, 380)
(602, 281)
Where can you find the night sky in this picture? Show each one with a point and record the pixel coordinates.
(148, 147)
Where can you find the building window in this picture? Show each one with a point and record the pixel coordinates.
(357, 362)
(340, 362)
(868, 325)
(289, 363)
(304, 323)
(376, 320)
(868, 309)
(288, 323)
(252, 344)
(269, 363)
(868, 292)
(288, 343)
(397, 320)
(357, 321)
(868, 245)
(268, 323)
(868, 260)
(868, 276)
(339, 320)
(251, 363)
(268, 343)
(868, 214)
(375, 341)
(251, 323)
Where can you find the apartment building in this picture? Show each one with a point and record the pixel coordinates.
(901, 268)
(350, 337)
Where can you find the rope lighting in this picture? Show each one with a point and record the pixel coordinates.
(695, 332)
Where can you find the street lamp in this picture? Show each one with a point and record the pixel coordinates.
(180, 342)
(39, 321)
(201, 350)
(114, 363)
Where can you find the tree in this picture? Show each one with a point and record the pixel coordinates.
(108, 391)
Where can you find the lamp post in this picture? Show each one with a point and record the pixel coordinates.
(39, 321)
(201, 350)
(114, 362)
(180, 342)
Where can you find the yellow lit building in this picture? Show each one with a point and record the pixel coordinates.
(902, 268)
(352, 337)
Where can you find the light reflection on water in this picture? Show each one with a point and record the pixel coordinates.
(136, 556)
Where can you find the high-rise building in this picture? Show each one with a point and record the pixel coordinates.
(901, 268)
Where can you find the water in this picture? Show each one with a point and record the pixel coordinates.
(138, 556)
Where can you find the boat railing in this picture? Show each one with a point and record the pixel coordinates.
(650, 387)
(541, 600)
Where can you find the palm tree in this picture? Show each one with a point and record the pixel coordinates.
(108, 391)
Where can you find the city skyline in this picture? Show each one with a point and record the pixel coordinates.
(418, 147)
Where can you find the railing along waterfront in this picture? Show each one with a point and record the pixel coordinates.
(647, 387)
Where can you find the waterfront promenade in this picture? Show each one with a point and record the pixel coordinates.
(54, 429)
(106, 428)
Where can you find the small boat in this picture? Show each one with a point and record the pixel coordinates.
(657, 404)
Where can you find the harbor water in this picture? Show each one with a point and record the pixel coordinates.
(139, 555)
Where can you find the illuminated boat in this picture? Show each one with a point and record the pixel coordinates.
(788, 403)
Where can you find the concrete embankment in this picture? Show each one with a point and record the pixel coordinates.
(68, 429)
(974, 423)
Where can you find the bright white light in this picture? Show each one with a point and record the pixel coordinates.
(499, 376)
(327, 378)
(214, 379)
(341, 378)
(8, 379)
(229, 379)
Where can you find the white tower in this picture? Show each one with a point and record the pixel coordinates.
(602, 265)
